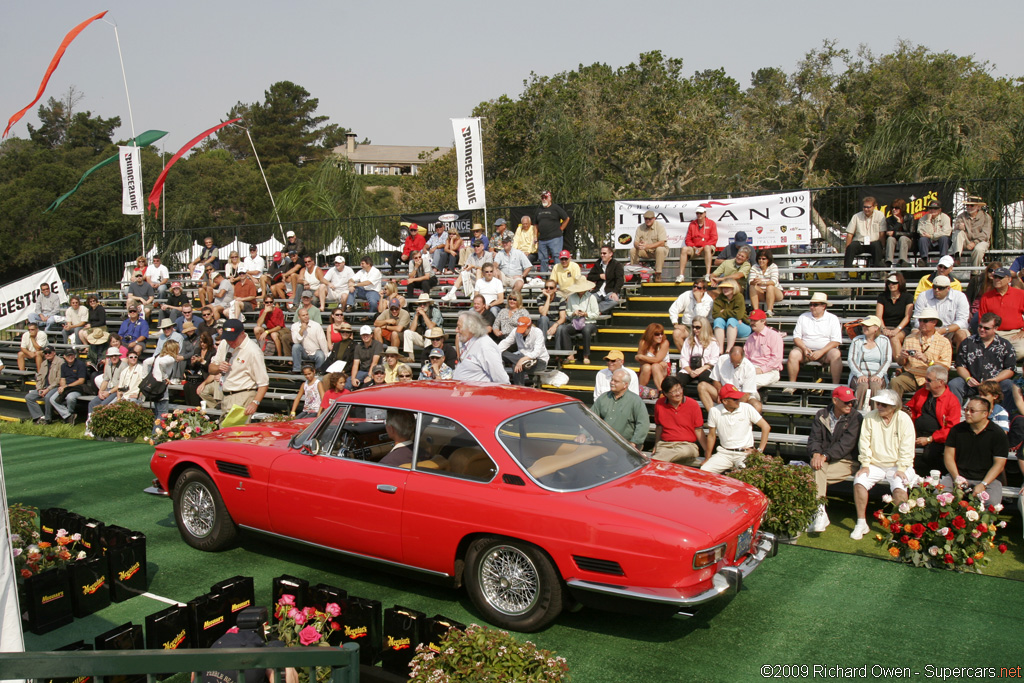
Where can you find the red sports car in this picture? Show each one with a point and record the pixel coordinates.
(524, 496)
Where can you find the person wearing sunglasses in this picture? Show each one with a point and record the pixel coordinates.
(549, 302)
(816, 337)
(864, 234)
(689, 305)
(944, 267)
(650, 241)
(922, 350)
(868, 358)
(985, 357)
(701, 240)
(832, 444)
(1008, 303)
(608, 277)
(311, 279)
(47, 382)
(952, 307)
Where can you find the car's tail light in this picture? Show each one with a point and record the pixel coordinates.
(706, 558)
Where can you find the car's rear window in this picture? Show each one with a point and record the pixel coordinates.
(568, 448)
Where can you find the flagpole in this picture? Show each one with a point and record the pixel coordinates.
(131, 118)
(272, 202)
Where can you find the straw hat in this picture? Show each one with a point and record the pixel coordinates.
(579, 287)
(97, 335)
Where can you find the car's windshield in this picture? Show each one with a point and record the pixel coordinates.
(568, 448)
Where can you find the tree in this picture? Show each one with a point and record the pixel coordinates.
(284, 128)
(61, 126)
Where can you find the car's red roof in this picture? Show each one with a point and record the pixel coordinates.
(500, 401)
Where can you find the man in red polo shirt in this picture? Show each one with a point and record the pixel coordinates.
(701, 239)
(1008, 303)
(679, 425)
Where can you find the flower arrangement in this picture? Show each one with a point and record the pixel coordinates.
(792, 495)
(486, 655)
(183, 423)
(123, 418)
(946, 529)
(305, 627)
(32, 556)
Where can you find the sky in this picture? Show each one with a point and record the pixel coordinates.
(395, 72)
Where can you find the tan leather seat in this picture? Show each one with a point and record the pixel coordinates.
(471, 462)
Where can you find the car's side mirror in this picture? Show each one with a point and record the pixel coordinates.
(311, 447)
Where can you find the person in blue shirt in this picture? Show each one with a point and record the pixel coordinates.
(134, 331)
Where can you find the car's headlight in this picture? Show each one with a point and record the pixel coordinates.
(706, 558)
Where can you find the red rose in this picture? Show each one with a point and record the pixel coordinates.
(1002, 547)
(918, 530)
(970, 560)
(26, 573)
(949, 535)
(948, 559)
(983, 528)
(959, 522)
(963, 503)
(878, 514)
(933, 526)
(895, 518)
(335, 626)
(904, 539)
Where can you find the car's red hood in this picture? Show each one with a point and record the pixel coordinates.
(260, 434)
(707, 503)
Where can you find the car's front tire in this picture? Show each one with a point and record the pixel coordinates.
(203, 519)
(514, 584)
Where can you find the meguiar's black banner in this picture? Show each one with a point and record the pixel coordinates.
(916, 195)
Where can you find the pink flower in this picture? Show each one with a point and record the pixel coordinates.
(333, 609)
(309, 635)
(300, 618)
(309, 612)
(286, 599)
(944, 498)
(983, 496)
(293, 612)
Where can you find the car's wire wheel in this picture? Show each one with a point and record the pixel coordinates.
(509, 580)
(198, 509)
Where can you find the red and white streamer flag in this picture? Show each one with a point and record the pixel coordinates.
(72, 34)
(158, 186)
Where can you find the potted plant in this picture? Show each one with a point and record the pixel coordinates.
(121, 421)
(486, 654)
(792, 495)
(942, 528)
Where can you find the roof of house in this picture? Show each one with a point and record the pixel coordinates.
(391, 154)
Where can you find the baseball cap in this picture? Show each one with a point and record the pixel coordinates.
(365, 329)
(435, 353)
(500, 221)
(545, 193)
(175, 284)
(478, 243)
(940, 281)
(523, 324)
(844, 394)
(758, 314)
(614, 354)
(506, 238)
(278, 256)
(72, 352)
(339, 259)
(564, 254)
(253, 247)
(648, 214)
(48, 349)
(395, 303)
(729, 391)
(290, 233)
(872, 320)
(946, 261)
(379, 370)
(307, 294)
(740, 237)
(1003, 272)
(892, 278)
(232, 329)
(933, 204)
(701, 209)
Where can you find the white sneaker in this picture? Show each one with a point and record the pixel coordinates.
(789, 390)
(680, 279)
(820, 521)
(859, 530)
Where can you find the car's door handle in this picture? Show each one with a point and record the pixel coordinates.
(387, 488)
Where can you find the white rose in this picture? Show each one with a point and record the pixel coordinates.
(972, 515)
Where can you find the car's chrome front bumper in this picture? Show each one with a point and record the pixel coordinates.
(726, 581)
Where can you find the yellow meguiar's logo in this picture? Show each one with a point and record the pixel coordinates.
(355, 632)
(398, 643)
(128, 573)
(212, 622)
(175, 642)
(93, 587)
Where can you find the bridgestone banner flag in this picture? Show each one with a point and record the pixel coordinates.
(18, 298)
(469, 152)
(776, 220)
(131, 180)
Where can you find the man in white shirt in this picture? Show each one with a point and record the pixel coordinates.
(158, 276)
(309, 343)
(365, 284)
(603, 381)
(735, 370)
(816, 338)
(337, 279)
(238, 373)
(490, 288)
(531, 355)
(472, 271)
(256, 268)
(730, 424)
(864, 234)
(513, 266)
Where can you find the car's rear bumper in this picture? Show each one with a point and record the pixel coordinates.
(726, 582)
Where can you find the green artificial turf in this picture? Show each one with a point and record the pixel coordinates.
(805, 607)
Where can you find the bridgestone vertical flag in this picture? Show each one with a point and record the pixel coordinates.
(131, 180)
(469, 152)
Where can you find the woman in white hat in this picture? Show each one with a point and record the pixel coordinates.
(581, 312)
(868, 359)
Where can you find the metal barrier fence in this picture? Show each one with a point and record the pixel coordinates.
(153, 663)
(592, 223)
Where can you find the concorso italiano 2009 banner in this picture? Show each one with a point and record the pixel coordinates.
(18, 299)
(775, 220)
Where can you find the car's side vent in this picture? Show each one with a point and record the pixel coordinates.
(592, 564)
(513, 479)
(233, 468)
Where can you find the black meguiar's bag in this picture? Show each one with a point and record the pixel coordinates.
(436, 628)
(289, 585)
(125, 637)
(322, 595)
(77, 646)
(239, 593)
(90, 585)
(362, 624)
(403, 631)
(208, 615)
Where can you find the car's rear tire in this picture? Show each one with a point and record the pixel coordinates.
(513, 584)
(202, 518)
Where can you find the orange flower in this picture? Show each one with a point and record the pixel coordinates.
(894, 551)
(45, 544)
(907, 528)
(913, 544)
(980, 554)
(885, 523)
(64, 540)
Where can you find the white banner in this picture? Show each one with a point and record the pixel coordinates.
(131, 181)
(18, 298)
(469, 153)
(11, 638)
(775, 220)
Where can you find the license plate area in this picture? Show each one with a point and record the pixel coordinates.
(743, 543)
